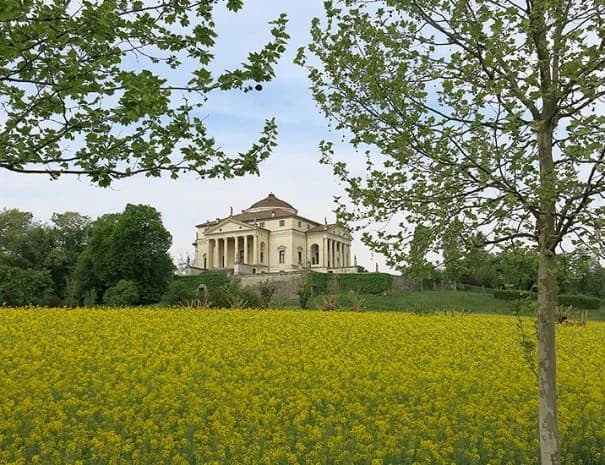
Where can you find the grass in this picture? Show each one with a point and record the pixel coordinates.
(431, 302)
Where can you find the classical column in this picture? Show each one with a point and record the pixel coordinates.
(323, 252)
(214, 254)
(330, 252)
(254, 249)
(235, 249)
(245, 249)
(224, 253)
(221, 253)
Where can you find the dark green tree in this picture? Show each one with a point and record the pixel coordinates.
(113, 88)
(133, 246)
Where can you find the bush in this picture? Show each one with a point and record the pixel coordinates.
(305, 292)
(512, 294)
(266, 290)
(329, 302)
(581, 301)
(123, 294)
(231, 295)
(365, 283)
(178, 292)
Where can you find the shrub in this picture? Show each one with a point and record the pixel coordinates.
(581, 301)
(266, 290)
(305, 292)
(358, 302)
(177, 293)
(231, 295)
(329, 302)
(123, 294)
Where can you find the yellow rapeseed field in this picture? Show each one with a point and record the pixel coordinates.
(149, 386)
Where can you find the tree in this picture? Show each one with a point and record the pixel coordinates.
(68, 232)
(114, 88)
(20, 287)
(483, 111)
(132, 246)
(417, 264)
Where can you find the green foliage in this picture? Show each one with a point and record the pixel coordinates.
(20, 287)
(232, 295)
(317, 281)
(31, 245)
(90, 298)
(266, 290)
(72, 103)
(211, 280)
(581, 301)
(304, 292)
(123, 294)
(329, 302)
(178, 291)
(365, 283)
(576, 301)
(510, 294)
(132, 245)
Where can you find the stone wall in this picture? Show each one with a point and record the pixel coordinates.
(286, 284)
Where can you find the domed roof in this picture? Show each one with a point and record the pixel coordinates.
(271, 202)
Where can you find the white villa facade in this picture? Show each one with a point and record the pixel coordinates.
(270, 237)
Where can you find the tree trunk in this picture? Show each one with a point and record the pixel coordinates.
(547, 370)
(550, 453)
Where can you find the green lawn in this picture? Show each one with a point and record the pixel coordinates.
(432, 302)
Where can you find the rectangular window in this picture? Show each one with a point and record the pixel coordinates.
(299, 257)
(261, 224)
(282, 222)
(299, 224)
(282, 256)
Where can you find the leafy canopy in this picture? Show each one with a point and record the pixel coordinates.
(114, 88)
(451, 101)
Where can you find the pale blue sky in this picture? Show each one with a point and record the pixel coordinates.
(293, 173)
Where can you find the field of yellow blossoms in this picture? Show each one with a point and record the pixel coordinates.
(286, 387)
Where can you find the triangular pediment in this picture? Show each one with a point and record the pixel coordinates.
(229, 225)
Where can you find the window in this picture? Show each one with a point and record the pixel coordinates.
(282, 256)
(262, 257)
(261, 224)
(299, 257)
(282, 222)
(300, 224)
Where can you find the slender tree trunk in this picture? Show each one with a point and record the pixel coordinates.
(547, 369)
(547, 303)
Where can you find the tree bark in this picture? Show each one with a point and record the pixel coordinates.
(547, 304)
(547, 369)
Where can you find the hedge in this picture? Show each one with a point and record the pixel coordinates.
(577, 301)
(318, 282)
(512, 294)
(365, 283)
(211, 280)
(581, 301)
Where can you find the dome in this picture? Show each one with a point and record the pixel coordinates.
(271, 202)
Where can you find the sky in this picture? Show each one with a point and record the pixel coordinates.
(235, 119)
